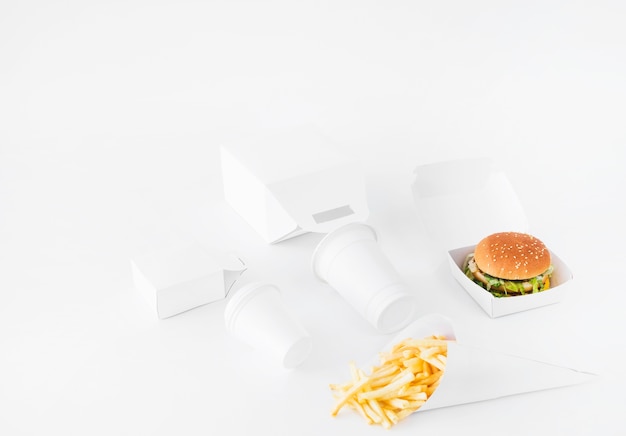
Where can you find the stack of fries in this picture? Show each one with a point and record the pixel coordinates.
(406, 377)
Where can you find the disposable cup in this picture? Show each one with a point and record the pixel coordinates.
(258, 316)
(350, 260)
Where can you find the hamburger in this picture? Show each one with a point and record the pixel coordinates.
(510, 263)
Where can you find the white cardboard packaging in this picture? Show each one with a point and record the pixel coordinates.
(292, 182)
(463, 201)
(474, 374)
(179, 279)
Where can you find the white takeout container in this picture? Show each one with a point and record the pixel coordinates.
(292, 182)
(463, 201)
(258, 316)
(350, 260)
(473, 374)
(175, 280)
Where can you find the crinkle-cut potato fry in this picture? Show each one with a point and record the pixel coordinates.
(403, 381)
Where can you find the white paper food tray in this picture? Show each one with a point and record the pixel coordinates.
(292, 182)
(463, 201)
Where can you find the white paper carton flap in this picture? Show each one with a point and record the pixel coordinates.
(462, 201)
(291, 182)
(324, 200)
(233, 267)
(284, 154)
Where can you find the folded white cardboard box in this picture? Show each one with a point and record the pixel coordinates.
(291, 182)
(463, 201)
(175, 280)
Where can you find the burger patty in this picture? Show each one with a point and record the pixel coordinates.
(501, 287)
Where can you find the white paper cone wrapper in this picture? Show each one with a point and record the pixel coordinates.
(473, 374)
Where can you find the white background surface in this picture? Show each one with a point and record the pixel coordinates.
(111, 114)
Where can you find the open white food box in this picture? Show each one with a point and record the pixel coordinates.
(463, 201)
(473, 374)
(292, 182)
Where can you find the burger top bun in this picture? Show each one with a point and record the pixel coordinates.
(512, 256)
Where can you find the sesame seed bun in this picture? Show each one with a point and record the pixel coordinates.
(512, 256)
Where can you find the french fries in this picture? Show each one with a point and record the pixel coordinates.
(403, 381)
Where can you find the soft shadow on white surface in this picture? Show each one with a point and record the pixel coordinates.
(112, 116)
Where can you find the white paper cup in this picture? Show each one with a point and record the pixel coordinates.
(349, 259)
(258, 316)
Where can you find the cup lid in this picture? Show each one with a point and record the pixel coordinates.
(241, 298)
(336, 241)
(394, 309)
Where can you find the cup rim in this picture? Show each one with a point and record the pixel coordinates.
(330, 238)
(241, 298)
(381, 317)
